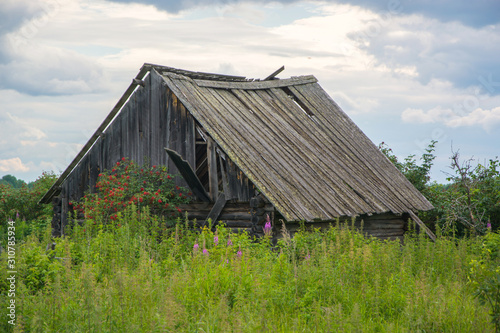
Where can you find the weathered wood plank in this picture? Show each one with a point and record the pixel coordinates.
(254, 85)
(240, 216)
(144, 110)
(94, 161)
(225, 182)
(132, 151)
(212, 168)
(189, 175)
(217, 208)
(190, 141)
(64, 207)
(156, 146)
(230, 206)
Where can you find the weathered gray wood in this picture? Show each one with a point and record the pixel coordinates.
(124, 118)
(95, 162)
(189, 175)
(247, 142)
(217, 208)
(230, 206)
(275, 73)
(144, 109)
(308, 139)
(212, 169)
(258, 201)
(132, 151)
(156, 145)
(190, 141)
(53, 190)
(64, 207)
(257, 84)
(225, 182)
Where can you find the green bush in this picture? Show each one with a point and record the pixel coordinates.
(129, 184)
(21, 205)
(467, 204)
(485, 276)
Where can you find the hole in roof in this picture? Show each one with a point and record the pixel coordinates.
(298, 102)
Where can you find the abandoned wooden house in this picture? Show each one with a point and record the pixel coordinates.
(247, 148)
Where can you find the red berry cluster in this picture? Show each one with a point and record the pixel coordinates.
(129, 184)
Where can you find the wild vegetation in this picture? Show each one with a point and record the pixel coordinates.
(128, 264)
(136, 277)
(469, 203)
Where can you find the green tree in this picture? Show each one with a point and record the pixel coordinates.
(471, 201)
(22, 203)
(417, 174)
(12, 181)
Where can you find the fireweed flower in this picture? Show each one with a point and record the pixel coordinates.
(267, 226)
(488, 225)
(239, 254)
(229, 243)
(216, 240)
(196, 247)
(205, 251)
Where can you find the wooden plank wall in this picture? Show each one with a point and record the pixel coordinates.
(151, 120)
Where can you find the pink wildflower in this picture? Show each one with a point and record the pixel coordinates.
(267, 226)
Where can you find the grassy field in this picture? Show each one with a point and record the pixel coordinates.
(137, 276)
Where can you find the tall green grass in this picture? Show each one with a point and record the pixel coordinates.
(139, 276)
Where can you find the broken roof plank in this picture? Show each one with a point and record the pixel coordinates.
(272, 76)
(254, 85)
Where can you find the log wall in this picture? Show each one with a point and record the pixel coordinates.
(383, 226)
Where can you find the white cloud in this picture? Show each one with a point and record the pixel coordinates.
(15, 127)
(71, 72)
(13, 165)
(488, 119)
(449, 51)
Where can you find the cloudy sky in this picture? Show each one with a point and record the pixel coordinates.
(406, 71)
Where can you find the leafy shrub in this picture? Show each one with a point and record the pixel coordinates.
(21, 205)
(129, 184)
(467, 204)
(22, 202)
(485, 276)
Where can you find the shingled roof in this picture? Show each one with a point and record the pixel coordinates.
(298, 147)
(290, 139)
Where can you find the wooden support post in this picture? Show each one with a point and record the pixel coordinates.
(189, 175)
(217, 208)
(213, 181)
(422, 225)
(225, 180)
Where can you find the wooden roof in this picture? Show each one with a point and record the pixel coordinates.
(297, 146)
